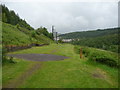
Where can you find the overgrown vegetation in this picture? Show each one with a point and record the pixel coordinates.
(12, 36)
(106, 39)
(108, 42)
(43, 30)
(6, 59)
(98, 55)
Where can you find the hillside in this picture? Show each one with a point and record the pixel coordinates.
(17, 33)
(106, 39)
(9, 16)
(89, 34)
(14, 36)
(108, 42)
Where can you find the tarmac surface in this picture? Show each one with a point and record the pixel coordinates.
(38, 57)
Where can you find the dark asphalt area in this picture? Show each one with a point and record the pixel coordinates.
(38, 57)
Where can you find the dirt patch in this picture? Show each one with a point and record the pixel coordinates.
(39, 57)
(102, 75)
(99, 74)
(17, 82)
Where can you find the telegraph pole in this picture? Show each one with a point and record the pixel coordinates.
(56, 38)
(53, 32)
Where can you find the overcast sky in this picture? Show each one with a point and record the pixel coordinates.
(68, 16)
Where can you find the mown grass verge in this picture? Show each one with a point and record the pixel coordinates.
(12, 71)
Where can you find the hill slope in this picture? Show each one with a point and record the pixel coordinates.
(104, 39)
(89, 34)
(108, 42)
(18, 32)
(9, 16)
(14, 36)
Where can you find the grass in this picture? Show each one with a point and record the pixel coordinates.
(13, 71)
(98, 55)
(69, 73)
(14, 36)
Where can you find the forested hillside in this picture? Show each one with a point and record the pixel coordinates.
(9, 16)
(106, 39)
(90, 34)
(21, 36)
(17, 32)
(108, 42)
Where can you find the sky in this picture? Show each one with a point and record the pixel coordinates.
(67, 16)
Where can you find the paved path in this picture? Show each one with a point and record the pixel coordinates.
(38, 57)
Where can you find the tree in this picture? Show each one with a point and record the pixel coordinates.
(4, 18)
(9, 16)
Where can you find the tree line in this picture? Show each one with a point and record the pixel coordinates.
(108, 42)
(89, 34)
(10, 17)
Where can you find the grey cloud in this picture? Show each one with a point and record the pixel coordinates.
(68, 17)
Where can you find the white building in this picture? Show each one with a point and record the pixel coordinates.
(66, 40)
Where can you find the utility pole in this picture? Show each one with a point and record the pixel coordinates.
(56, 38)
(81, 53)
(53, 32)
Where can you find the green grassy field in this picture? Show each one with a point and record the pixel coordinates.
(69, 73)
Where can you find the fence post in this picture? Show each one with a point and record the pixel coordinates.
(80, 52)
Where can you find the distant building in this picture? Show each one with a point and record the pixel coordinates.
(58, 38)
(67, 40)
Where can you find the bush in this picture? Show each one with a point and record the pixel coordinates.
(77, 49)
(103, 58)
(6, 59)
(85, 51)
(98, 55)
(107, 61)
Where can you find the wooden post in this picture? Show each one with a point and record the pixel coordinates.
(80, 52)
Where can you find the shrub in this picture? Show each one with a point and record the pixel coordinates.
(6, 59)
(98, 55)
(103, 58)
(85, 51)
(77, 49)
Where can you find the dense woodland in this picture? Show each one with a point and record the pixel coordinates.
(9, 16)
(109, 42)
(90, 33)
(106, 39)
